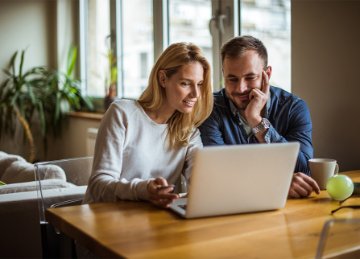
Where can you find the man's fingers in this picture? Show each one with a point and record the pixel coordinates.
(293, 194)
(256, 93)
(312, 183)
(308, 181)
(303, 190)
(302, 185)
(298, 192)
(265, 88)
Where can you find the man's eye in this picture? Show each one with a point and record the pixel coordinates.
(233, 79)
(250, 78)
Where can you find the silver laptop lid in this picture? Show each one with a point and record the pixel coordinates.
(240, 178)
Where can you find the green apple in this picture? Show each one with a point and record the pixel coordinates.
(340, 187)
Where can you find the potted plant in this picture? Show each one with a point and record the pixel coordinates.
(46, 94)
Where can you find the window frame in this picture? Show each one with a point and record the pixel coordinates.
(231, 27)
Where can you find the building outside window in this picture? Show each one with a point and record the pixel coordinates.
(269, 20)
(97, 45)
(138, 46)
(189, 21)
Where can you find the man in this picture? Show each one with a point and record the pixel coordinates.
(249, 110)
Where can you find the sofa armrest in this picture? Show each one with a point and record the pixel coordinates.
(20, 233)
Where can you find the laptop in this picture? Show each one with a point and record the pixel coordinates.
(238, 179)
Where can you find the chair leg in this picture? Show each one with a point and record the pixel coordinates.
(49, 241)
(56, 245)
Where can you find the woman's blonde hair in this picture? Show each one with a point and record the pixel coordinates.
(180, 125)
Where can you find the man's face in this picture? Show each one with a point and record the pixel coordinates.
(241, 75)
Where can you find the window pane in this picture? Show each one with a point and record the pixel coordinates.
(98, 45)
(189, 22)
(269, 20)
(138, 46)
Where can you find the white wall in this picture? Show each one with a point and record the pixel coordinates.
(325, 73)
(28, 25)
(73, 142)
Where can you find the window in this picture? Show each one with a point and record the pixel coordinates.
(138, 48)
(269, 20)
(136, 32)
(96, 46)
(189, 21)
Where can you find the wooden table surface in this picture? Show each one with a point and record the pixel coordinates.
(140, 230)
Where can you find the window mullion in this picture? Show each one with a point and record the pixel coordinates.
(83, 28)
(119, 49)
(161, 26)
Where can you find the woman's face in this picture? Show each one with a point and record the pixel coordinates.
(183, 88)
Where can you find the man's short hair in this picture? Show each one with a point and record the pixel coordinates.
(238, 45)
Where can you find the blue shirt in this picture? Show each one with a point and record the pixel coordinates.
(288, 114)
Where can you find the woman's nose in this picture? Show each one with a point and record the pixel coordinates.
(195, 91)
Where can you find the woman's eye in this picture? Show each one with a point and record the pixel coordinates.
(185, 84)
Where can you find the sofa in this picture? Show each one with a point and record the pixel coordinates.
(28, 190)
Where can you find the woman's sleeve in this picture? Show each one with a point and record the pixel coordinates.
(106, 182)
(194, 144)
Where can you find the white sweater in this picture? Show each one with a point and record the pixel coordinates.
(130, 150)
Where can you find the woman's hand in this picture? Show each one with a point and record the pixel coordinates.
(160, 193)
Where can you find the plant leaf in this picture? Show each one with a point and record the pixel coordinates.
(72, 56)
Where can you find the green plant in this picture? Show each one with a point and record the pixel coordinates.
(112, 69)
(38, 94)
(111, 77)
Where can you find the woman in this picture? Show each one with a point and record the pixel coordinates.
(144, 146)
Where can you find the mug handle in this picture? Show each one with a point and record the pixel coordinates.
(336, 169)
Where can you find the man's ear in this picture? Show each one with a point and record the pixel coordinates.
(268, 71)
(162, 78)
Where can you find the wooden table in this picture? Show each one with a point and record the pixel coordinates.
(140, 230)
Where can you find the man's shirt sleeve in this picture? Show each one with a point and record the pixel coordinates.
(210, 130)
(298, 128)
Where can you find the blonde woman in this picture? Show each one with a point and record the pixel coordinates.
(144, 146)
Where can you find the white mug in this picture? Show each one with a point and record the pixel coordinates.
(321, 169)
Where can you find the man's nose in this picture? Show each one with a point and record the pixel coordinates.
(242, 86)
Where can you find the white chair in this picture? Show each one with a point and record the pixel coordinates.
(77, 172)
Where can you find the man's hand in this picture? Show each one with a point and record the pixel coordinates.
(258, 99)
(302, 186)
(160, 193)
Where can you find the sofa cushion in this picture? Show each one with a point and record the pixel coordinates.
(32, 186)
(6, 160)
(22, 171)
